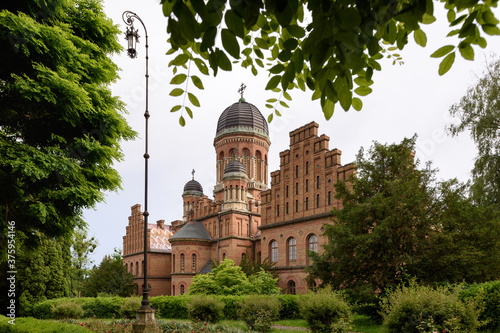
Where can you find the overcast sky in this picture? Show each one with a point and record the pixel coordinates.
(406, 99)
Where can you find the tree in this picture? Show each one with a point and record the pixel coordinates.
(331, 48)
(111, 277)
(81, 248)
(60, 127)
(397, 222)
(228, 279)
(479, 112)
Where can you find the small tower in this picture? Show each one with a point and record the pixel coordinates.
(192, 192)
(235, 182)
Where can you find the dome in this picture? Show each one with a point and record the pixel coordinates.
(235, 166)
(192, 187)
(242, 117)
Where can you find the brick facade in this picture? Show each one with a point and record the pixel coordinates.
(246, 217)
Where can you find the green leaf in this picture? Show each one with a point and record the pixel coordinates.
(270, 118)
(451, 15)
(273, 82)
(290, 44)
(189, 112)
(466, 50)
(446, 64)
(193, 100)
(202, 67)
(420, 37)
(428, 19)
(180, 60)
(442, 51)
(284, 104)
(182, 121)
(222, 60)
(287, 96)
(277, 113)
(296, 31)
(178, 79)
(197, 82)
(175, 108)
(357, 104)
(176, 92)
(277, 69)
(363, 91)
(489, 17)
(491, 29)
(234, 23)
(328, 108)
(272, 100)
(269, 106)
(230, 43)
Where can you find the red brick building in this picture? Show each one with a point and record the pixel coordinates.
(245, 216)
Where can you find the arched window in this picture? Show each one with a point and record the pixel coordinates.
(259, 255)
(312, 243)
(273, 249)
(312, 285)
(297, 171)
(290, 287)
(278, 210)
(223, 256)
(136, 268)
(131, 268)
(296, 188)
(193, 259)
(307, 203)
(287, 191)
(317, 182)
(292, 249)
(173, 263)
(287, 207)
(307, 185)
(126, 267)
(317, 200)
(182, 262)
(182, 289)
(296, 206)
(329, 197)
(307, 168)
(173, 290)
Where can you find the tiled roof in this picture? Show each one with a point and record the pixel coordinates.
(159, 238)
(192, 230)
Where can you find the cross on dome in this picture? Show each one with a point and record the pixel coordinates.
(192, 172)
(241, 91)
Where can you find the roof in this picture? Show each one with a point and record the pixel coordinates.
(207, 268)
(235, 166)
(193, 186)
(158, 238)
(242, 117)
(191, 230)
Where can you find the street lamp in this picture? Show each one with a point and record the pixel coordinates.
(145, 314)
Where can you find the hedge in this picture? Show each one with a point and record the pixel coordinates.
(32, 325)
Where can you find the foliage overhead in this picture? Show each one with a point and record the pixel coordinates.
(396, 222)
(479, 112)
(228, 279)
(331, 48)
(60, 127)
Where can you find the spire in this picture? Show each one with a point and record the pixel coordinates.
(241, 91)
(192, 172)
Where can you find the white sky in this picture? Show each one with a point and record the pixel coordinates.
(405, 100)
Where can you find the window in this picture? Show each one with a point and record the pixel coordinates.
(290, 287)
(223, 256)
(243, 255)
(307, 168)
(329, 197)
(296, 188)
(292, 249)
(296, 206)
(287, 191)
(126, 267)
(274, 250)
(131, 268)
(182, 262)
(173, 263)
(286, 207)
(307, 185)
(278, 210)
(312, 243)
(317, 200)
(136, 268)
(182, 289)
(307, 203)
(173, 290)
(193, 258)
(312, 285)
(317, 182)
(297, 171)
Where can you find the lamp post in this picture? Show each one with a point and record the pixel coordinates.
(145, 314)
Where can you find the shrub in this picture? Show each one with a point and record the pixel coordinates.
(259, 312)
(423, 309)
(170, 306)
(205, 309)
(66, 310)
(364, 302)
(129, 308)
(289, 307)
(325, 311)
(231, 306)
(103, 307)
(32, 325)
(491, 304)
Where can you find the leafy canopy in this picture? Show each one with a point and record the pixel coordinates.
(228, 279)
(60, 127)
(331, 48)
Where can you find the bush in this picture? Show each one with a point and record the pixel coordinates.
(129, 308)
(325, 311)
(32, 325)
(207, 309)
(423, 309)
(170, 306)
(491, 304)
(259, 312)
(231, 306)
(66, 310)
(103, 307)
(289, 307)
(364, 302)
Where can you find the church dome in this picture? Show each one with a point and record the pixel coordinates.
(242, 117)
(192, 187)
(235, 170)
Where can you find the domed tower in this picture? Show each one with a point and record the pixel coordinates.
(192, 192)
(235, 182)
(242, 135)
